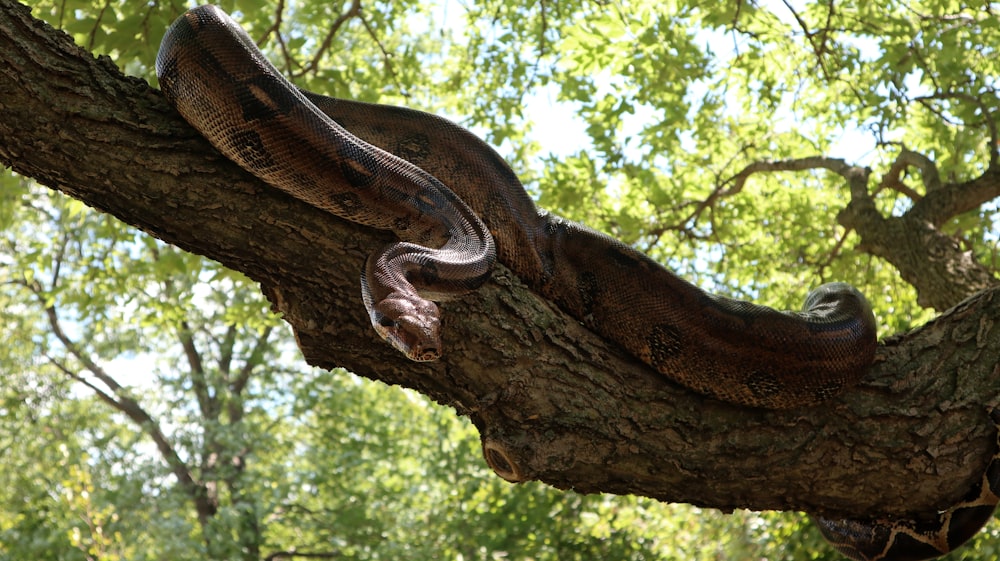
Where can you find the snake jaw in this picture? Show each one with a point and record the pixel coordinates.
(412, 325)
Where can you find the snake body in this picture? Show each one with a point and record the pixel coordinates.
(220, 82)
(457, 207)
(913, 540)
(298, 142)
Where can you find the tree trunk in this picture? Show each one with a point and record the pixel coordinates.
(551, 400)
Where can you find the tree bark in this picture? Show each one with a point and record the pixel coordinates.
(552, 401)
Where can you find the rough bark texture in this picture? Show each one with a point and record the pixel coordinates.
(551, 400)
(935, 263)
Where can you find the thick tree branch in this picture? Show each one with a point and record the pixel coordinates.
(941, 201)
(952, 199)
(558, 403)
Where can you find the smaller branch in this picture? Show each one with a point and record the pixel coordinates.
(62, 14)
(929, 174)
(923, 64)
(541, 33)
(279, 12)
(352, 12)
(144, 24)
(861, 202)
(97, 25)
(122, 402)
(829, 24)
(990, 123)
(926, 100)
(238, 385)
(856, 177)
(818, 49)
(206, 402)
(292, 66)
(60, 255)
(101, 394)
(655, 234)
(718, 193)
(386, 55)
(895, 184)
(835, 250)
(836, 165)
(823, 263)
(735, 27)
(226, 347)
(275, 28)
(56, 325)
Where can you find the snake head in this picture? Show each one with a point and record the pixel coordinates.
(412, 325)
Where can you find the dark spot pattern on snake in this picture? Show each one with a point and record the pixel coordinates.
(250, 149)
(210, 65)
(346, 202)
(414, 148)
(168, 74)
(402, 223)
(763, 384)
(358, 166)
(263, 98)
(664, 342)
(963, 520)
(587, 287)
(828, 390)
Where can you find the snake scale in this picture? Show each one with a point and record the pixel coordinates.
(913, 540)
(457, 207)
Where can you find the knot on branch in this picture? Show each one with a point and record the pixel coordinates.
(501, 461)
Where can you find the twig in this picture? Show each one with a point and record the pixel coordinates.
(929, 174)
(352, 12)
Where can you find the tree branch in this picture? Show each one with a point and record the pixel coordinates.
(932, 261)
(354, 11)
(819, 49)
(121, 401)
(987, 119)
(549, 397)
(207, 401)
(929, 174)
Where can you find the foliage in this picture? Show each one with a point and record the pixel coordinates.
(672, 100)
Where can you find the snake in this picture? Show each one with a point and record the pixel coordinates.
(913, 540)
(457, 208)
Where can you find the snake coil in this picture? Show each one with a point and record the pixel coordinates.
(457, 207)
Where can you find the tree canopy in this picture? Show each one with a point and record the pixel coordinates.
(155, 405)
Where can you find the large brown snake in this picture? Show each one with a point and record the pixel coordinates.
(299, 143)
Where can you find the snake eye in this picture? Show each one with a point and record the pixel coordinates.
(385, 321)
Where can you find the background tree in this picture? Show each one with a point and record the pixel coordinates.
(688, 113)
